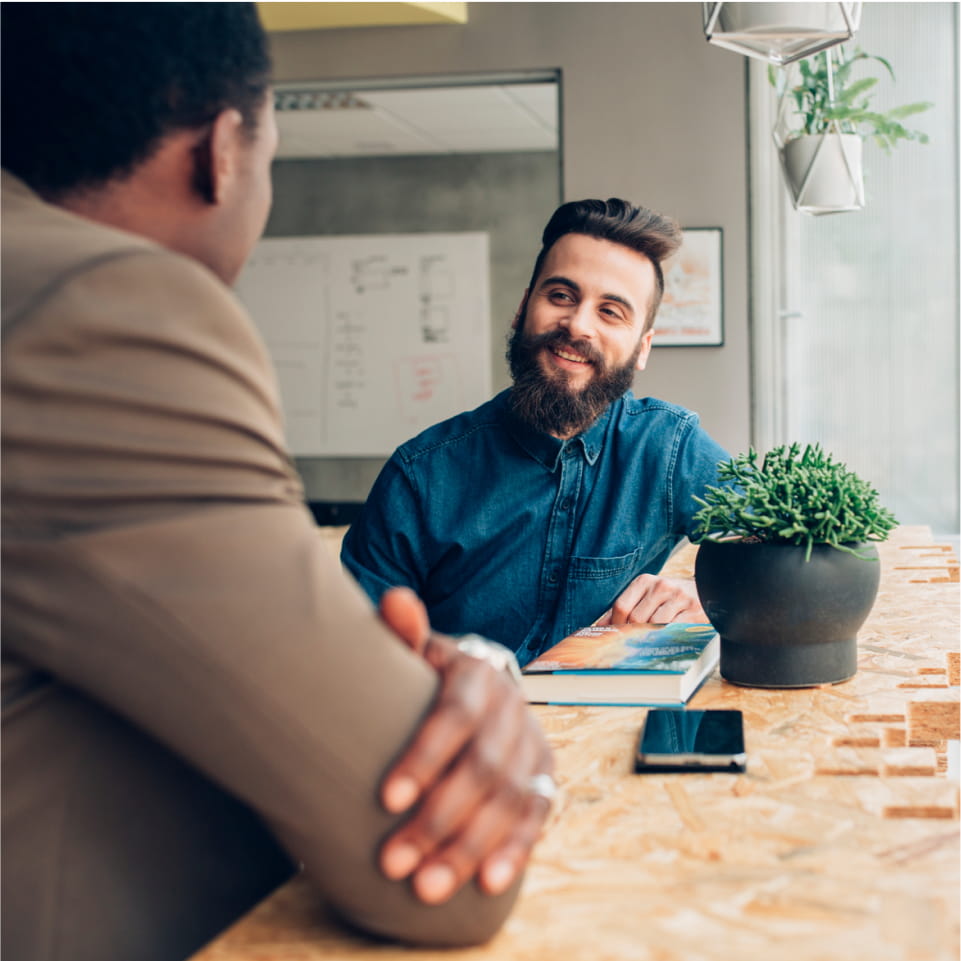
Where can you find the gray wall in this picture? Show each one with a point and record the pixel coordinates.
(650, 112)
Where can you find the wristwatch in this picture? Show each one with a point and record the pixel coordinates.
(499, 657)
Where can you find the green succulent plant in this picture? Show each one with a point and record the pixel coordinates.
(850, 106)
(793, 496)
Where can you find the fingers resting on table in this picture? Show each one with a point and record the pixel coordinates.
(650, 598)
(466, 776)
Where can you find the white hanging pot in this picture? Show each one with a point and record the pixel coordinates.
(780, 32)
(824, 172)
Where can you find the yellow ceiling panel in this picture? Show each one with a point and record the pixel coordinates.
(278, 16)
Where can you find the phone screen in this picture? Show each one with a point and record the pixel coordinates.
(680, 740)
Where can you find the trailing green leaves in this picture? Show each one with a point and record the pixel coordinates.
(793, 496)
(849, 109)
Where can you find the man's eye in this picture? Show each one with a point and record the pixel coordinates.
(561, 295)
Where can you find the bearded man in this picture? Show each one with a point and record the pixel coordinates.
(553, 505)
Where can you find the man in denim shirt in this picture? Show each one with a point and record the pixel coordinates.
(553, 505)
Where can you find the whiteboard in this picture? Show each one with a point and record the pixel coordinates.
(373, 337)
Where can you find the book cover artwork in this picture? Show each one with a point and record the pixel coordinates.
(639, 647)
(632, 664)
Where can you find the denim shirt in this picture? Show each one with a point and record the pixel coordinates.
(513, 534)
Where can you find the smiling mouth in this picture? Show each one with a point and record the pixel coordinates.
(568, 355)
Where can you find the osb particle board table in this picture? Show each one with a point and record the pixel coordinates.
(840, 843)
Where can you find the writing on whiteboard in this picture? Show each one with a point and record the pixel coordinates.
(373, 337)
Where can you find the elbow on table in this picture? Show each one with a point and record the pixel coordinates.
(470, 918)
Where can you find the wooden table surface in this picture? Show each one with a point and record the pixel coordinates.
(840, 843)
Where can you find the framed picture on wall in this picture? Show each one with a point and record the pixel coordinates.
(692, 311)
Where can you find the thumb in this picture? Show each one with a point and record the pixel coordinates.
(404, 613)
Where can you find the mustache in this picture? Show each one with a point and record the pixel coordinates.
(561, 338)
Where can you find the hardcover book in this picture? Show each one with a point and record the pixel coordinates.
(629, 664)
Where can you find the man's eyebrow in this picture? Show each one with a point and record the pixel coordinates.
(560, 279)
(576, 287)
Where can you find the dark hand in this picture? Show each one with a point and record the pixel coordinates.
(656, 600)
(469, 767)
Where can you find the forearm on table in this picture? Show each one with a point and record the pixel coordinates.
(269, 672)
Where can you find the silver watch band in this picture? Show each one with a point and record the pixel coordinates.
(499, 657)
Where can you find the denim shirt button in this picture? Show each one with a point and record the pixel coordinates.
(552, 577)
(566, 504)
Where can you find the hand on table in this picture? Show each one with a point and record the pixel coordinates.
(469, 766)
(650, 598)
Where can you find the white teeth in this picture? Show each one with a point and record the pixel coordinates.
(576, 358)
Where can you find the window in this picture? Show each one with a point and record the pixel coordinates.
(855, 315)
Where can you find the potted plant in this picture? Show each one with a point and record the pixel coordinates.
(786, 570)
(820, 142)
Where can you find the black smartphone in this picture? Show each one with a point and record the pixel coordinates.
(675, 740)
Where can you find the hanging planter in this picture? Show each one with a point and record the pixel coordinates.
(823, 117)
(824, 172)
(780, 32)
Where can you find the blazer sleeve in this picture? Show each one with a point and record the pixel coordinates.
(157, 555)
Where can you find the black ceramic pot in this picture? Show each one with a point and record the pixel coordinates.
(784, 621)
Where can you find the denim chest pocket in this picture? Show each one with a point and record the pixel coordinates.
(593, 583)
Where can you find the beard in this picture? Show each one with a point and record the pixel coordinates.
(545, 400)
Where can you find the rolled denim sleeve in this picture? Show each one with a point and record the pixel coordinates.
(695, 469)
(384, 546)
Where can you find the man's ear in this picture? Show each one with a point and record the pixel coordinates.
(645, 350)
(201, 179)
(216, 156)
(521, 310)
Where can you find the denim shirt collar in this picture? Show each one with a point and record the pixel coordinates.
(548, 450)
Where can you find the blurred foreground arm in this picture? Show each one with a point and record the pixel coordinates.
(158, 558)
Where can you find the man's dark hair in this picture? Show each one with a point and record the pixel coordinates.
(649, 233)
(89, 89)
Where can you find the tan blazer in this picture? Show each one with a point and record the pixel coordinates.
(184, 660)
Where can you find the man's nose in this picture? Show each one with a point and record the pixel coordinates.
(580, 322)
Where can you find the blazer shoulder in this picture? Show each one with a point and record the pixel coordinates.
(47, 250)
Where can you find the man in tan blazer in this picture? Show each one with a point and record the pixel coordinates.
(195, 697)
